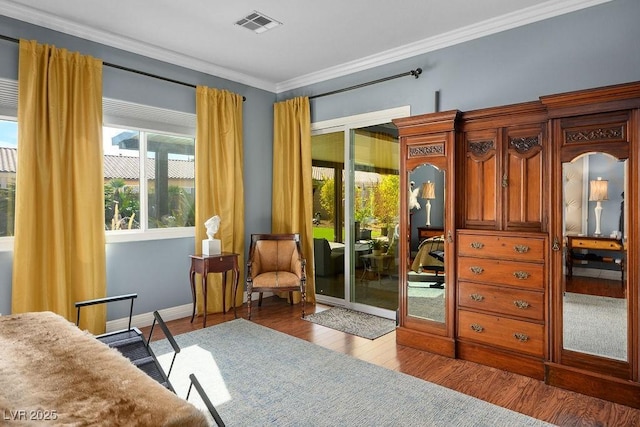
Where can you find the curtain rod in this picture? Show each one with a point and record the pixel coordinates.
(415, 73)
(121, 67)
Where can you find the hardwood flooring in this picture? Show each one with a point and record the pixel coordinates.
(512, 391)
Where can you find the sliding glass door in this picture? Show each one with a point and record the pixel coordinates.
(356, 201)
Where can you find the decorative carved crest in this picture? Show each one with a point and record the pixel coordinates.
(524, 144)
(480, 148)
(599, 134)
(426, 150)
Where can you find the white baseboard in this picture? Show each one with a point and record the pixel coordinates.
(171, 313)
(146, 319)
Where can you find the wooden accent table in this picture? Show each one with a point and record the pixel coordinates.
(428, 232)
(220, 263)
(595, 244)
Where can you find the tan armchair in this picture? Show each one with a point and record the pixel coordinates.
(275, 264)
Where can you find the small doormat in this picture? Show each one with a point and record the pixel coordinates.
(353, 322)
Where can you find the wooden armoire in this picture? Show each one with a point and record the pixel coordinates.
(510, 298)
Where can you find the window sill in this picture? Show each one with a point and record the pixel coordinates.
(6, 243)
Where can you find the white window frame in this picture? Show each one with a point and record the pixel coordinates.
(125, 115)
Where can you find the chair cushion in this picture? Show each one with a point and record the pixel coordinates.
(276, 279)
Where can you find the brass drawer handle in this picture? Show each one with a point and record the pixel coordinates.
(476, 297)
(521, 275)
(476, 270)
(521, 249)
(476, 327)
(477, 245)
(521, 304)
(521, 337)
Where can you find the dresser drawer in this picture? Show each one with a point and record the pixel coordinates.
(520, 248)
(499, 272)
(513, 302)
(518, 335)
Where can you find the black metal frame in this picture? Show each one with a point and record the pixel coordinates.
(131, 343)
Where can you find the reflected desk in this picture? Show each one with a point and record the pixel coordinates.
(220, 263)
(594, 245)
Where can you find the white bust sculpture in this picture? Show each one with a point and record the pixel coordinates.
(212, 225)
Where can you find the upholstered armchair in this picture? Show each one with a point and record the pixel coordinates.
(275, 264)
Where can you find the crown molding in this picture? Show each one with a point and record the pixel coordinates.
(505, 22)
(33, 16)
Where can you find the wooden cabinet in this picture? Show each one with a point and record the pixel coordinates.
(502, 152)
(508, 258)
(501, 299)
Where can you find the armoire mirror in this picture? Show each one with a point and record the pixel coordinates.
(427, 278)
(595, 297)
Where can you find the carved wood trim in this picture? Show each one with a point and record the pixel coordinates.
(599, 134)
(426, 150)
(524, 144)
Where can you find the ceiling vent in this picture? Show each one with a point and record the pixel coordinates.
(258, 22)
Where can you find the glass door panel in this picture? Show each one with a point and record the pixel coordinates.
(327, 153)
(375, 185)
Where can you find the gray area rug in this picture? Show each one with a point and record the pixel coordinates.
(256, 376)
(595, 325)
(353, 322)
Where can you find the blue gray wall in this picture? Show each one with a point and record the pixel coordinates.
(593, 47)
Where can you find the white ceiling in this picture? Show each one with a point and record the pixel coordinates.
(318, 40)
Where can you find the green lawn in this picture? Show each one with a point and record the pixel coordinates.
(320, 232)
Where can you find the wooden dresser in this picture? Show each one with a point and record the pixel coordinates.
(501, 300)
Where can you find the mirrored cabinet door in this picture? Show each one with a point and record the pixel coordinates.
(427, 270)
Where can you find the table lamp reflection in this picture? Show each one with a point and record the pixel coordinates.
(598, 189)
(429, 193)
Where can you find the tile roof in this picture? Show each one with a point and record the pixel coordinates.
(126, 167)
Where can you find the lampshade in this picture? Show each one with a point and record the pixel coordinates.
(598, 190)
(428, 190)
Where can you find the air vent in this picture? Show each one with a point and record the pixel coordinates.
(258, 22)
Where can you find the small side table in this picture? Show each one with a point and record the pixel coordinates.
(205, 264)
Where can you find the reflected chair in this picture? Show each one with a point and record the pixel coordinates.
(327, 263)
(275, 264)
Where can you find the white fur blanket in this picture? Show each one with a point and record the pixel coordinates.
(52, 373)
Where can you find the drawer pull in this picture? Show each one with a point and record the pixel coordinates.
(477, 245)
(521, 275)
(476, 297)
(521, 337)
(476, 270)
(521, 249)
(476, 328)
(521, 304)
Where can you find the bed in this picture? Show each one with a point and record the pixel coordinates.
(52, 371)
(430, 258)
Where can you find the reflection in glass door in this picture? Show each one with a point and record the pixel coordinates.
(376, 186)
(356, 264)
(327, 151)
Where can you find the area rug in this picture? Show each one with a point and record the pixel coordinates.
(256, 376)
(353, 322)
(595, 325)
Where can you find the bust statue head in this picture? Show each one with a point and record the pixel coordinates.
(212, 225)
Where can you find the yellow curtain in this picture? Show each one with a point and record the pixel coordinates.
(59, 246)
(292, 194)
(219, 184)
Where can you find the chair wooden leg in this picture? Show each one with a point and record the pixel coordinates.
(304, 300)
(291, 297)
(260, 299)
(249, 304)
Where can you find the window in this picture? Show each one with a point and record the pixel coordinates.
(155, 193)
(8, 161)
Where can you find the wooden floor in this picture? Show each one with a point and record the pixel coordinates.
(515, 392)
